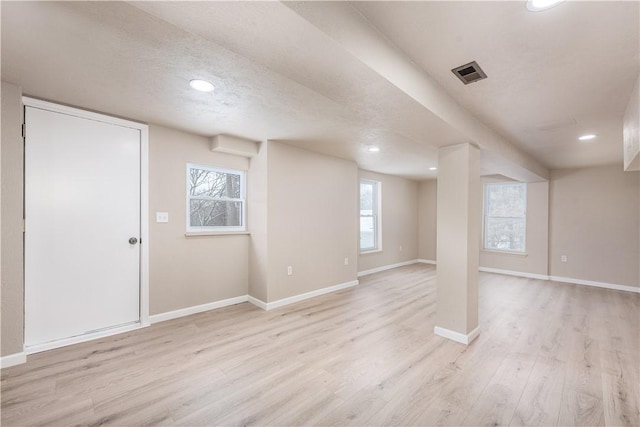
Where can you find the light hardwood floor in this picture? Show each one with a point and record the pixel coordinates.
(547, 354)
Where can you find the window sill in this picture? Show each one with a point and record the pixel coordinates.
(216, 233)
(374, 251)
(494, 251)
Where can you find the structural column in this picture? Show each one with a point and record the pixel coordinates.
(458, 242)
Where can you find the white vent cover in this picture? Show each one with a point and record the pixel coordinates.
(469, 73)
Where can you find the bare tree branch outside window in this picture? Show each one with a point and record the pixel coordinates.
(216, 197)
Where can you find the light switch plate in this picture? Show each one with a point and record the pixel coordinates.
(162, 216)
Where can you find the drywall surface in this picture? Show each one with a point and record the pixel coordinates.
(595, 221)
(188, 271)
(12, 291)
(631, 131)
(399, 222)
(427, 219)
(459, 206)
(257, 223)
(312, 219)
(535, 259)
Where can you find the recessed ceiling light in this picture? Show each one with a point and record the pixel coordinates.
(538, 5)
(374, 149)
(433, 168)
(201, 85)
(587, 137)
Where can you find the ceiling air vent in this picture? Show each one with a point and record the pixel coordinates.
(469, 73)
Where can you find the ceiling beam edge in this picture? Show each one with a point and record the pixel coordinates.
(344, 24)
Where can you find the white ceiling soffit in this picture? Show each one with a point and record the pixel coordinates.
(553, 75)
(276, 76)
(348, 27)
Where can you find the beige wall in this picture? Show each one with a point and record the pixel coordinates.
(312, 219)
(459, 206)
(537, 232)
(594, 221)
(11, 291)
(631, 130)
(427, 224)
(257, 223)
(399, 222)
(188, 271)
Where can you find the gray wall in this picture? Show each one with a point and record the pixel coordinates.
(594, 221)
(536, 258)
(399, 222)
(427, 219)
(312, 216)
(12, 288)
(188, 271)
(593, 218)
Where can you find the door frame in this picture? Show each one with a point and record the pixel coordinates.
(143, 321)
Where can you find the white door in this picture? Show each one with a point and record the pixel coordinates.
(82, 207)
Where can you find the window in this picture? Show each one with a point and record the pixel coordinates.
(215, 199)
(369, 216)
(505, 207)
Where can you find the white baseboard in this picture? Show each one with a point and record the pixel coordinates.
(457, 336)
(582, 282)
(595, 284)
(296, 298)
(258, 303)
(197, 309)
(387, 267)
(571, 280)
(13, 360)
(515, 273)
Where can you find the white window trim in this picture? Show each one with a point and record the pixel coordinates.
(378, 218)
(243, 198)
(484, 220)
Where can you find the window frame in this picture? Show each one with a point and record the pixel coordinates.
(485, 217)
(376, 215)
(242, 199)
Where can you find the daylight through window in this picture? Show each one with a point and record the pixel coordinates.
(215, 199)
(369, 215)
(505, 207)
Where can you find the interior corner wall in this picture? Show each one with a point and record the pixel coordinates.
(595, 222)
(427, 219)
(399, 222)
(312, 216)
(631, 130)
(12, 284)
(537, 235)
(257, 223)
(188, 271)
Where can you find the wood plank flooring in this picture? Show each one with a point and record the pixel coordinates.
(548, 354)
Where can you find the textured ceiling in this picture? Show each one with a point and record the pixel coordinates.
(552, 75)
(276, 77)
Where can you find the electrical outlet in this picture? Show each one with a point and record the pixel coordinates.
(563, 258)
(346, 261)
(162, 216)
(289, 271)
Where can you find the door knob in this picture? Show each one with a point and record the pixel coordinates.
(133, 240)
